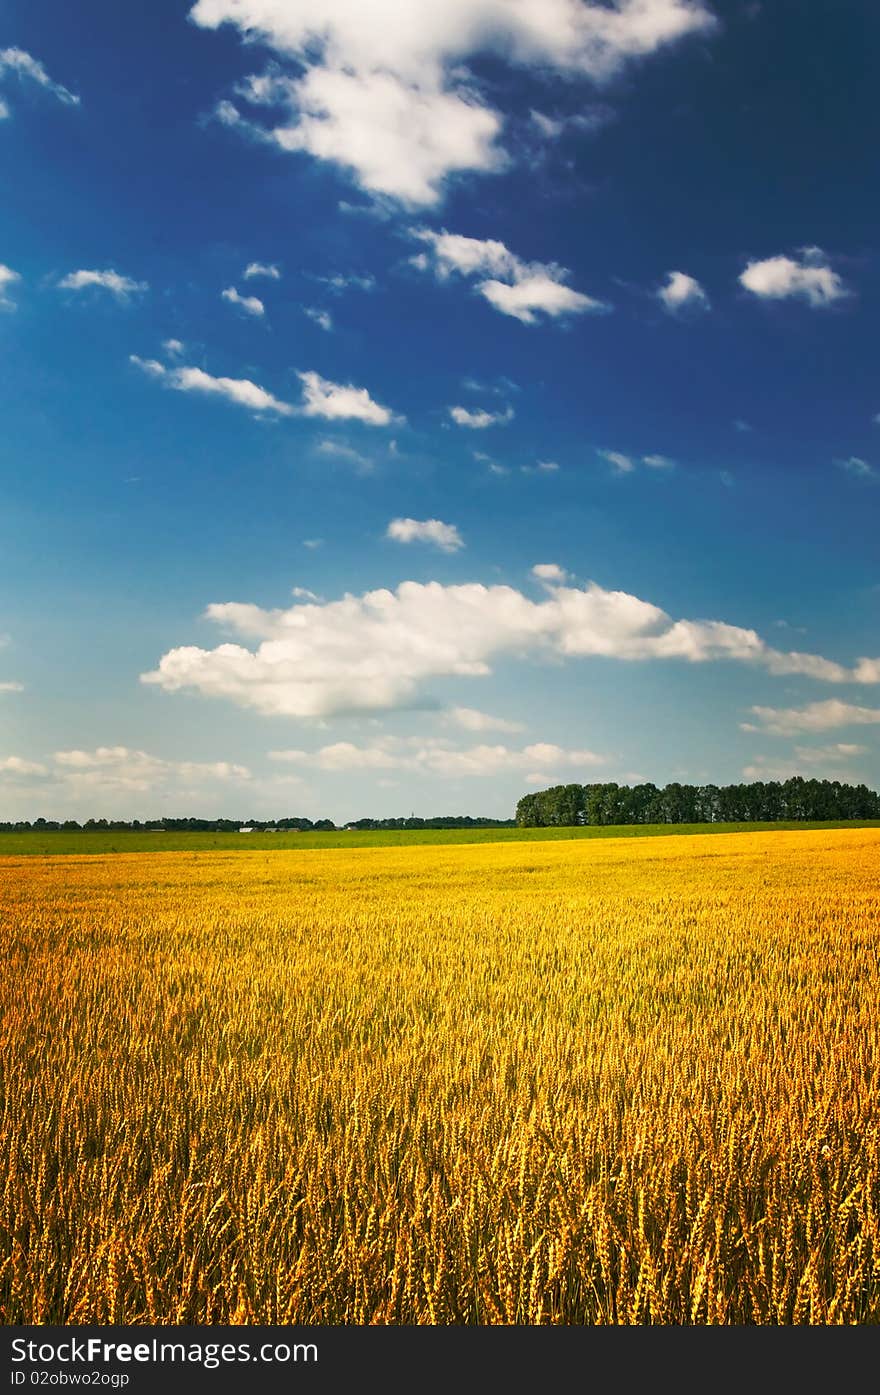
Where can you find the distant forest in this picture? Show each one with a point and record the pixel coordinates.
(789, 800)
(296, 825)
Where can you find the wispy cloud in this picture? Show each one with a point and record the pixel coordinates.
(524, 290)
(815, 716)
(439, 758)
(341, 450)
(20, 64)
(478, 420)
(8, 278)
(266, 269)
(854, 465)
(238, 390)
(122, 287)
(322, 318)
(250, 304)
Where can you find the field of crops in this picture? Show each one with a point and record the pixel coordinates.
(612, 1081)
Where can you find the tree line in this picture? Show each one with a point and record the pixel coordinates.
(286, 825)
(793, 800)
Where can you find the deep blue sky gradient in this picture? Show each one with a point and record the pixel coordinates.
(126, 509)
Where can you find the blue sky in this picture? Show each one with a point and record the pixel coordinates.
(409, 405)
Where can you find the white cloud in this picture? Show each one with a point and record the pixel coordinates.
(623, 464)
(8, 278)
(781, 278)
(24, 66)
(682, 291)
(436, 758)
(550, 573)
(378, 650)
(548, 466)
(173, 347)
(250, 304)
(322, 318)
(5, 113)
(313, 543)
(11, 686)
(352, 282)
(478, 420)
(120, 768)
(856, 466)
(122, 287)
(829, 761)
(473, 720)
(627, 464)
(341, 451)
(340, 401)
(266, 269)
(398, 140)
(382, 90)
(430, 530)
(540, 293)
(239, 390)
(815, 716)
(452, 253)
(523, 290)
(17, 766)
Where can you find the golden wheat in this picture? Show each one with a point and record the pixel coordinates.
(580, 1082)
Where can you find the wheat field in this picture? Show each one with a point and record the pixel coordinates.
(577, 1083)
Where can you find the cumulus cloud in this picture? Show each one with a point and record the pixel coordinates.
(20, 64)
(815, 716)
(250, 304)
(239, 390)
(783, 278)
(429, 530)
(8, 278)
(379, 650)
(341, 401)
(122, 287)
(267, 269)
(478, 420)
(173, 347)
(383, 90)
(550, 573)
(680, 292)
(523, 290)
(438, 758)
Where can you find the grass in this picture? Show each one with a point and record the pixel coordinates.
(614, 1082)
(63, 844)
